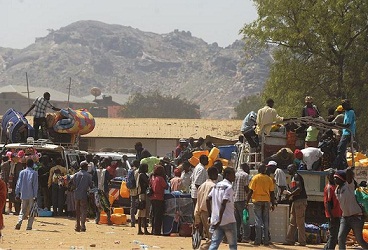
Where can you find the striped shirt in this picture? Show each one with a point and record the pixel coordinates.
(241, 181)
(40, 107)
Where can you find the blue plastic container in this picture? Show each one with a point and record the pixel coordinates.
(225, 151)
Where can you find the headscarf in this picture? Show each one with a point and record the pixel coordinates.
(298, 154)
(112, 169)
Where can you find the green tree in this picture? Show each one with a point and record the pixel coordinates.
(247, 104)
(155, 105)
(322, 50)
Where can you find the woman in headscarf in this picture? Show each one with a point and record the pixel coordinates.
(158, 183)
(143, 203)
(70, 201)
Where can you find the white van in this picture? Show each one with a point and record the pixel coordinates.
(52, 150)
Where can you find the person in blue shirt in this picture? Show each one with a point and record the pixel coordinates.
(26, 190)
(247, 129)
(340, 161)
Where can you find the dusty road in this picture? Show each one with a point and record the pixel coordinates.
(58, 233)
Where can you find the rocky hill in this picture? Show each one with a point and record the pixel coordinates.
(120, 59)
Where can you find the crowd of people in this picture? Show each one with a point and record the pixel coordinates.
(219, 195)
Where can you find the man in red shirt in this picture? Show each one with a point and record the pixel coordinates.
(332, 210)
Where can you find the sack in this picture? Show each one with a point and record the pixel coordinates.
(245, 216)
(185, 229)
(141, 205)
(131, 182)
(196, 238)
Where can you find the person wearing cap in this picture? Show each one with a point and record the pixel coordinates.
(261, 191)
(266, 115)
(298, 205)
(182, 145)
(352, 213)
(279, 177)
(82, 181)
(340, 115)
(332, 209)
(340, 161)
(308, 158)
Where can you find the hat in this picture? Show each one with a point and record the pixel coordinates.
(308, 99)
(182, 140)
(341, 174)
(298, 154)
(330, 171)
(339, 108)
(271, 163)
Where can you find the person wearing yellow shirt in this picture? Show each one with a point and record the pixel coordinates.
(57, 187)
(261, 190)
(267, 115)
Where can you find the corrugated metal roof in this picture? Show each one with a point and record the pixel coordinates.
(38, 91)
(165, 128)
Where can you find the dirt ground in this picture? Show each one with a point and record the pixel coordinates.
(58, 233)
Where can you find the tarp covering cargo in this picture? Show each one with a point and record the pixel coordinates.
(69, 121)
(15, 126)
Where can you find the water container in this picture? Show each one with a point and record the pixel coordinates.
(225, 162)
(199, 153)
(194, 161)
(210, 163)
(118, 210)
(103, 218)
(214, 153)
(119, 219)
(225, 151)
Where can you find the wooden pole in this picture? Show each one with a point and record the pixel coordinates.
(70, 84)
(29, 100)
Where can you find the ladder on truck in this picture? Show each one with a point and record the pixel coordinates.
(252, 158)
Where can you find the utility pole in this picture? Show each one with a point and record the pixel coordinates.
(70, 84)
(28, 92)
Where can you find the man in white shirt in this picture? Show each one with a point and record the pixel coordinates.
(310, 156)
(222, 211)
(198, 177)
(280, 179)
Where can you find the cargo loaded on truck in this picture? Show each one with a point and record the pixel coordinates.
(283, 136)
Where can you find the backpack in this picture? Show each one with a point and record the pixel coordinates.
(131, 182)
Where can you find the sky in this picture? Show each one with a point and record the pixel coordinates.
(21, 21)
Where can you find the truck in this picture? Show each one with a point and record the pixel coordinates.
(314, 181)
